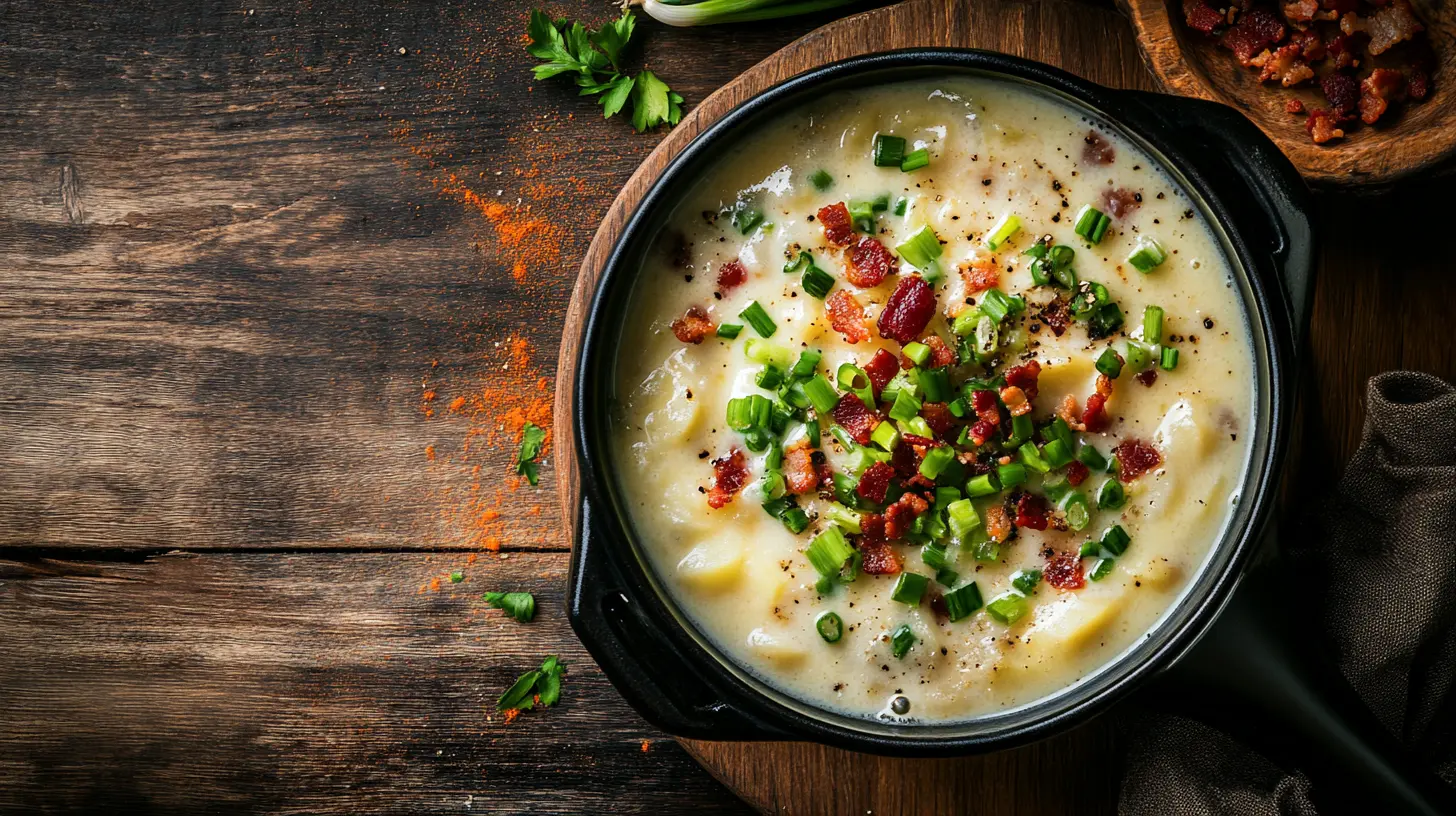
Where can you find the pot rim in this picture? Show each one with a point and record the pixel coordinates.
(1187, 618)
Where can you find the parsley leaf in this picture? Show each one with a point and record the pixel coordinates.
(594, 57)
(531, 438)
(541, 686)
(519, 605)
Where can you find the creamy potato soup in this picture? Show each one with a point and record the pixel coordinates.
(932, 399)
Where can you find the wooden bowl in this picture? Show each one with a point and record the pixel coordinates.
(1416, 140)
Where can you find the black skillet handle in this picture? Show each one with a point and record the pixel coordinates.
(1231, 154)
(649, 671)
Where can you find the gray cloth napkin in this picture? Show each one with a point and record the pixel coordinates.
(1387, 543)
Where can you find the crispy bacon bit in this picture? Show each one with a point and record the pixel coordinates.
(1377, 91)
(1342, 52)
(730, 474)
(869, 263)
(900, 515)
(1121, 202)
(1342, 91)
(906, 456)
(874, 482)
(1294, 106)
(1254, 32)
(980, 274)
(847, 317)
(1015, 400)
(1024, 377)
(908, 310)
(1321, 126)
(1096, 149)
(1311, 47)
(1342, 6)
(998, 523)
(1094, 416)
(1418, 84)
(825, 474)
(984, 404)
(856, 418)
(1387, 26)
(881, 369)
(1077, 473)
(982, 431)
(798, 468)
(1201, 16)
(1056, 315)
(1067, 410)
(1147, 378)
(1064, 571)
(1300, 11)
(693, 326)
(938, 416)
(838, 226)
(941, 354)
(1135, 458)
(1285, 64)
(1031, 511)
(731, 274)
(879, 558)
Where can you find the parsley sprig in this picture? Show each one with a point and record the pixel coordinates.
(532, 437)
(594, 57)
(519, 605)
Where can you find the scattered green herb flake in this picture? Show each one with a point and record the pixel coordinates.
(532, 437)
(456, 577)
(519, 605)
(536, 687)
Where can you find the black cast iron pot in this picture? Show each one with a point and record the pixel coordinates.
(1232, 651)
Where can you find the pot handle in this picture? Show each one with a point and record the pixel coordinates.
(658, 679)
(1259, 677)
(1235, 158)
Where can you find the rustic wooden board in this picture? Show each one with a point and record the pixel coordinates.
(1419, 140)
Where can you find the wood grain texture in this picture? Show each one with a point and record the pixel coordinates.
(1419, 140)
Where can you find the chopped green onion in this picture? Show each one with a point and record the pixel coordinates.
(935, 556)
(1089, 549)
(1115, 539)
(936, 460)
(988, 337)
(792, 393)
(881, 203)
(900, 205)
(1092, 224)
(853, 379)
(1010, 475)
(844, 485)
(1056, 486)
(752, 411)
(863, 215)
(729, 331)
(906, 407)
(1032, 458)
(756, 439)
(1139, 355)
(909, 588)
(965, 322)
(817, 282)
(1111, 495)
(795, 519)
(984, 547)
(983, 485)
(1092, 458)
(842, 516)
(746, 218)
(769, 377)
(1078, 512)
(830, 627)
(1058, 429)
(804, 367)
(915, 160)
(800, 262)
(784, 509)
(821, 395)
(1056, 453)
(1008, 226)
(1153, 324)
(1148, 255)
(755, 316)
(1169, 359)
(919, 353)
(958, 408)
(917, 426)
(1110, 363)
(1106, 320)
(1026, 580)
(921, 249)
(821, 180)
(1008, 608)
(997, 304)
(962, 517)
(935, 383)
(763, 351)
(901, 641)
(1101, 569)
(1021, 430)
(824, 585)
(828, 551)
(889, 150)
(960, 603)
(885, 437)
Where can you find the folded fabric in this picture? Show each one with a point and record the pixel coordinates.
(1384, 573)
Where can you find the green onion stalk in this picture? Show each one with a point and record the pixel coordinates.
(713, 12)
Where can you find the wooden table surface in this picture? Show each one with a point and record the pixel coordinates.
(278, 286)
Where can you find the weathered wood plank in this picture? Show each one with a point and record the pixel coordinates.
(286, 683)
